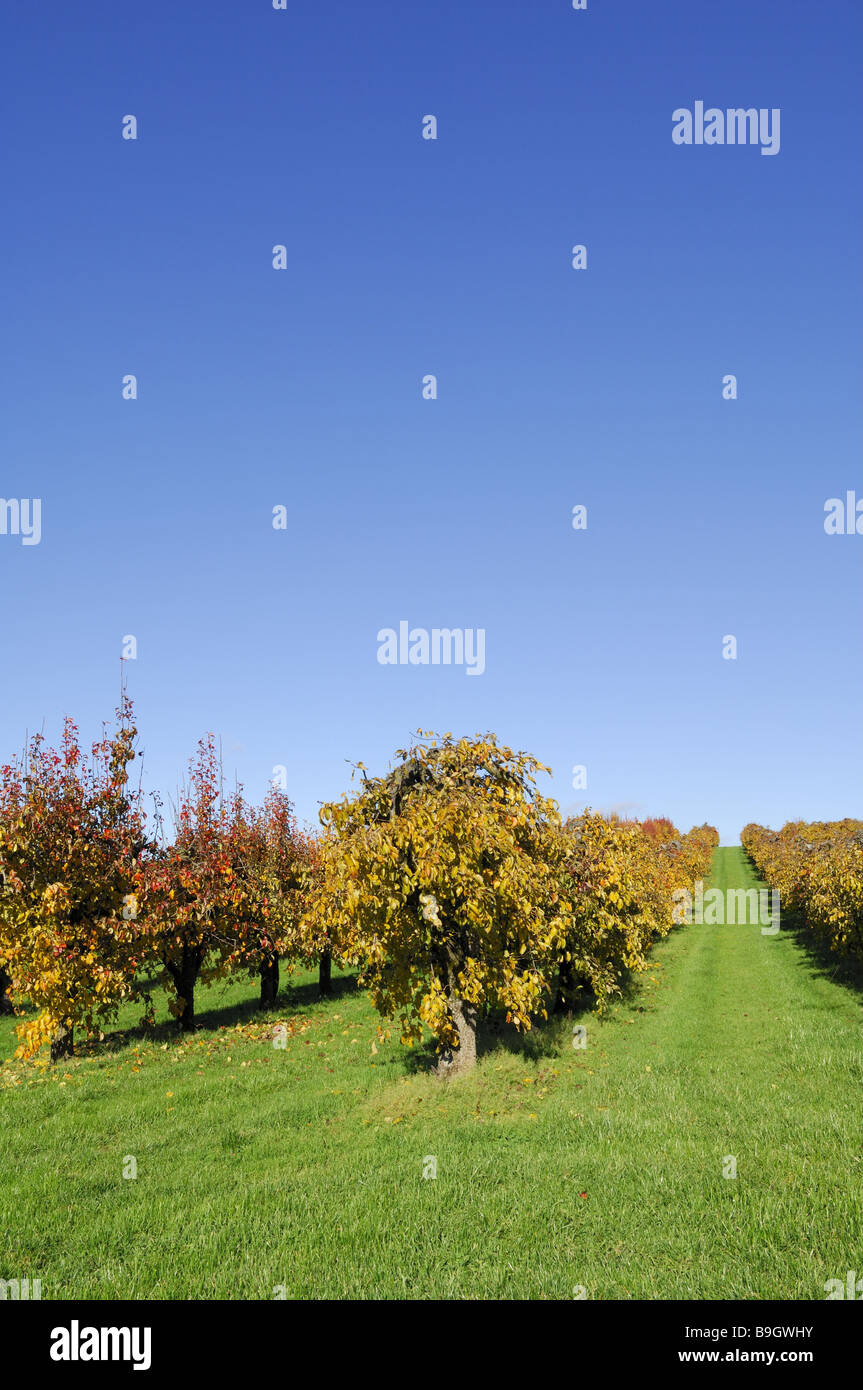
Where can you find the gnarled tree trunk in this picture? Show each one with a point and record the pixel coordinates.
(63, 1042)
(457, 1060)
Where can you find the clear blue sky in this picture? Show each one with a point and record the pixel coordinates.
(405, 257)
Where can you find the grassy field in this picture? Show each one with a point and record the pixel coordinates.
(260, 1167)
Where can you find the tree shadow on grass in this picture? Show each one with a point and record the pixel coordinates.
(824, 963)
(546, 1040)
(291, 999)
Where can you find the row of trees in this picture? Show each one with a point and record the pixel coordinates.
(93, 899)
(818, 869)
(450, 883)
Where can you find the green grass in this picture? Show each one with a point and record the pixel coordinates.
(260, 1167)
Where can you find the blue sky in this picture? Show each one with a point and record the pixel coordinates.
(556, 387)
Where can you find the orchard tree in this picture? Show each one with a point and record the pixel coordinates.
(276, 858)
(612, 878)
(318, 939)
(71, 835)
(440, 881)
(658, 829)
(818, 870)
(697, 848)
(195, 894)
(620, 877)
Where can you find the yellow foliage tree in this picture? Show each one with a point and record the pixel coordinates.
(441, 880)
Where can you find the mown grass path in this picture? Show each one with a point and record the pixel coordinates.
(302, 1167)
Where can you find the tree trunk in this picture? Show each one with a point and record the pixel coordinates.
(188, 977)
(565, 987)
(269, 981)
(325, 975)
(185, 976)
(63, 1042)
(6, 1005)
(455, 1061)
